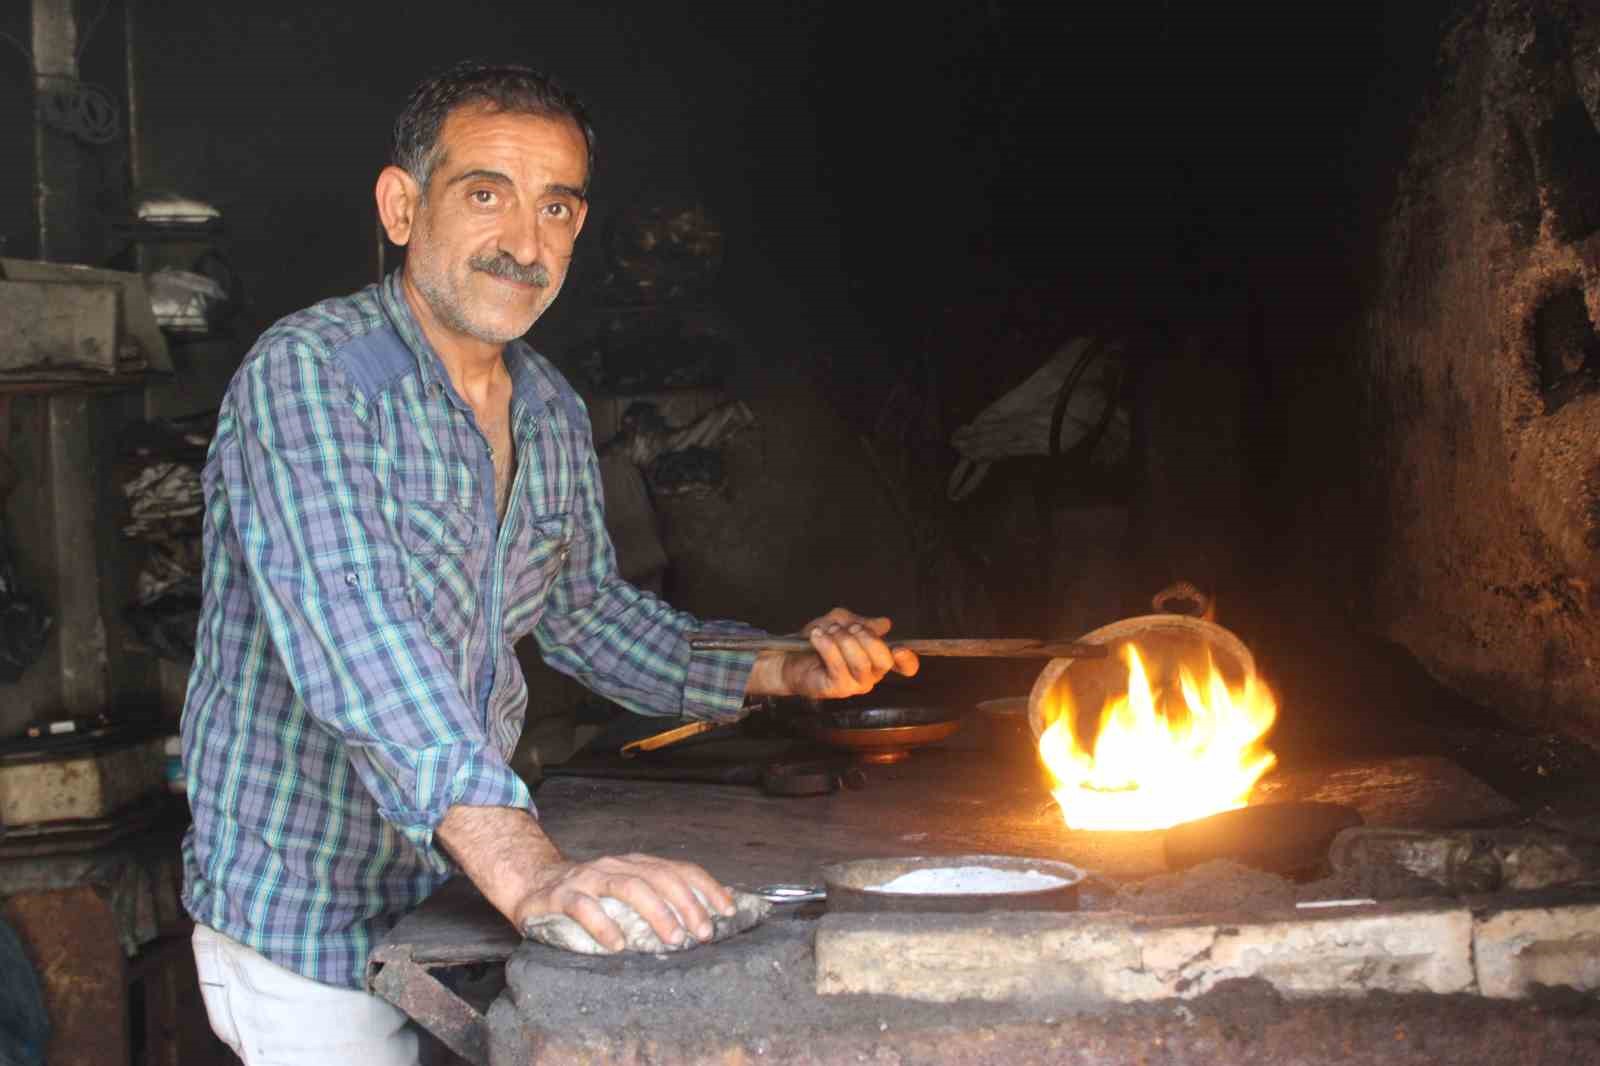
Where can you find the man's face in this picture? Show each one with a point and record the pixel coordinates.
(492, 239)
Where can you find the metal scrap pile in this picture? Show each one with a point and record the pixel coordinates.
(165, 511)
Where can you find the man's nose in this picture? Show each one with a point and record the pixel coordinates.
(520, 238)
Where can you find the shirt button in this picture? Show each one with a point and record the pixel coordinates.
(351, 580)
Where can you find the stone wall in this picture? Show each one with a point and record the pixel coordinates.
(1484, 430)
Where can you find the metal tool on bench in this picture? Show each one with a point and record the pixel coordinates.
(876, 734)
(792, 893)
(670, 736)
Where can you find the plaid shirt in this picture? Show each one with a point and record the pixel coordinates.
(354, 675)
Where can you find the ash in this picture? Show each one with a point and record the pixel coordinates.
(1225, 885)
(1208, 887)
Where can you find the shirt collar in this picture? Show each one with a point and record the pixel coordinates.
(531, 393)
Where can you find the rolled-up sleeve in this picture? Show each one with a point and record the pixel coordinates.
(319, 531)
(621, 641)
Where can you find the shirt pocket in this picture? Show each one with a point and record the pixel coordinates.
(533, 563)
(444, 564)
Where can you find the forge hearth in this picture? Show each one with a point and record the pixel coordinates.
(1215, 964)
(1497, 947)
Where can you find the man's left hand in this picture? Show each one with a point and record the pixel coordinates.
(849, 657)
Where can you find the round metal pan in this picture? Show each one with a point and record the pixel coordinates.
(879, 733)
(851, 886)
(845, 714)
(1172, 638)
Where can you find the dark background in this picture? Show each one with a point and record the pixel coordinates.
(962, 183)
(1149, 158)
(1178, 164)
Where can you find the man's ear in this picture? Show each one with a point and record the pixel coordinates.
(399, 198)
(583, 215)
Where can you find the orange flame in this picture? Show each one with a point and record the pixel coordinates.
(1146, 769)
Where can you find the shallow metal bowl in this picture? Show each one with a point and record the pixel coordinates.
(851, 886)
(881, 734)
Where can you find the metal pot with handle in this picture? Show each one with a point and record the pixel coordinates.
(1168, 636)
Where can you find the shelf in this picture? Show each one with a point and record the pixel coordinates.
(62, 381)
(199, 232)
(192, 335)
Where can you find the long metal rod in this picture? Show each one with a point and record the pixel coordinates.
(952, 648)
(671, 736)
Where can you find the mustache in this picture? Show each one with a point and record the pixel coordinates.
(503, 266)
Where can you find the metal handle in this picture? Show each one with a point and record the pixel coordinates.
(955, 648)
(671, 736)
(791, 893)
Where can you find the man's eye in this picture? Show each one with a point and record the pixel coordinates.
(558, 210)
(483, 197)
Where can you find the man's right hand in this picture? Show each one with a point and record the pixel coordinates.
(660, 891)
(519, 871)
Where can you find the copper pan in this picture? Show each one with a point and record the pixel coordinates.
(876, 733)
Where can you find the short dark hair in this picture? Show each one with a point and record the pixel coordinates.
(499, 87)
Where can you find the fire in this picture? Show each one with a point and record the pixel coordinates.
(1152, 765)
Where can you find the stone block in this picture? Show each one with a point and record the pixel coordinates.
(81, 787)
(58, 325)
(134, 320)
(996, 956)
(1391, 948)
(1518, 950)
(1117, 958)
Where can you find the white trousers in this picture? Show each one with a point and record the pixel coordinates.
(271, 1016)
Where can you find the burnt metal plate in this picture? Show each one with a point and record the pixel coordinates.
(878, 732)
(852, 886)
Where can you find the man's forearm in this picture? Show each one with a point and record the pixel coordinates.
(766, 675)
(503, 850)
(520, 872)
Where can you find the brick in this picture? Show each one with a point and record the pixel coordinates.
(1389, 948)
(51, 325)
(1517, 950)
(1117, 958)
(946, 957)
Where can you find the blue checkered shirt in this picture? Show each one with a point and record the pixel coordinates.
(354, 675)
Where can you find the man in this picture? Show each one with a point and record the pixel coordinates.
(398, 491)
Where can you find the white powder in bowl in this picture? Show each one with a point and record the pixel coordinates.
(968, 880)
